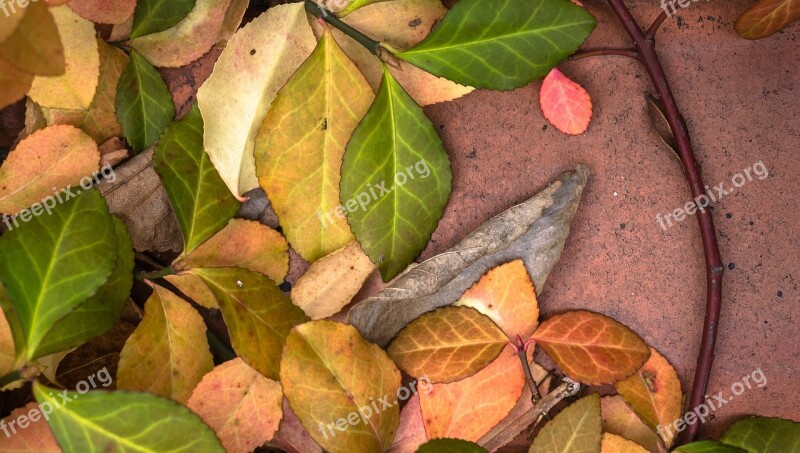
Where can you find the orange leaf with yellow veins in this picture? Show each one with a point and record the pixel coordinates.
(565, 104)
(447, 344)
(654, 393)
(104, 11)
(35, 438)
(56, 156)
(767, 17)
(15, 83)
(591, 348)
(505, 294)
(612, 443)
(469, 408)
(168, 352)
(342, 388)
(619, 419)
(242, 243)
(411, 432)
(195, 288)
(576, 429)
(239, 404)
(35, 46)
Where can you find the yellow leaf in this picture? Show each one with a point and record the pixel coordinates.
(576, 429)
(195, 288)
(75, 89)
(619, 419)
(35, 47)
(168, 352)
(615, 444)
(299, 151)
(256, 63)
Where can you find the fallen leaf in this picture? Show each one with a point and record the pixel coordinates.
(533, 231)
(239, 404)
(168, 353)
(35, 46)
(450, 446)
(16, 84)
(565, 104)
(54, 157)
(767, 17)
(95, 355)
(332, 282)
(708, 446)
(298, 152)
(654, 394)
(112, 152)
(763, 434)
(104, 11)
(590, 347)
(506, 295)
(255, 64)
(153, 16)
(9, 21)
(291, 436)
(193, 36)
(8, 355)
(411, 431)
(353, 5)
(469, 408)
(35, 438)
(447, 344)
(619, 419)
(242, 243)
(331, 374)
(615, 444)
(575, 429)
(76, 88)
(257, 313)
(194, 288)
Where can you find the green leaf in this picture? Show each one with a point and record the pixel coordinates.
(450, 446)
(356, 4)
(763, 435)
(144, 105)
(153, 16)
(122, 422)
(576, 429)
(202, 202)
(504, 46)
(101, 311)
(257, 313)
(707, 446)
(395, 179)
(53, 263)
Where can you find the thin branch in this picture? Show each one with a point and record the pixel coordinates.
(691, 167)
(522, 353)
(321, 13)
(155, 274)
(630, 53)
(651, 32)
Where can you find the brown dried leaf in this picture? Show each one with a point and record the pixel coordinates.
(533, 231)
(619, 419)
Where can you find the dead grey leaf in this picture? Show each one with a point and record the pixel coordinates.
(655, 110)
(534, 231)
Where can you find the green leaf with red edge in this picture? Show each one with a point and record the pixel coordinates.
(565, 104)
(447, 344)
(591, 348)
(767, 17)
(654, 393)
(576, 429)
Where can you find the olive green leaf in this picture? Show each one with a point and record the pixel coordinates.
(450, 446)
(122, 422)
(257, 313)
(576, 429)
(100, 312)
(763, 435)
(53, 263)
(144, 105)
(707, 446)
(504, 46)
(153, 16)
(202, 202)
(395, 179)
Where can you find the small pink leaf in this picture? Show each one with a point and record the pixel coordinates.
(565, 104)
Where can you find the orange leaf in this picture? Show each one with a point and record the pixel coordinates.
(104, 11)
(619, 419)
(447, 344)
(767, 17)
(505, 294)
(565, 104)
(36, 437)
(615, 444)
(654, 393)
(469, 408)
(591, 348)
(411, 433)
(239, 404)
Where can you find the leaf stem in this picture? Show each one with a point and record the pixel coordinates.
(714, 269)
(9, 378)
(651, 32)
(155, 274)
(321, 13)
(630, 53)
(522, 353)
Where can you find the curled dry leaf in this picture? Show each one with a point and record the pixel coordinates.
(411, 432)
(767, 17)
(575, 429)
(35, 46)
(255, 64)
(533, 231)
(35, 438)
(619, 419)
(654, 394)
(565, 104)
(291, 435)
(239, 404)
(332, 282)
(104, 11)
(56, 156)
(447, 344)
(330, 373)
(469, 408)
(591, 348)
(611, 443)
(76, 88)
(506, 295)
(193, 36)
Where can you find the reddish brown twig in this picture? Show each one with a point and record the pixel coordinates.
(630, 53)
(645, 44)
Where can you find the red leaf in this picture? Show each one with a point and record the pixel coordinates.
(565, 104)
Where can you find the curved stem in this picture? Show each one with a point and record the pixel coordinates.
(691, 167)
(9, 378)
(630, 53)
(328, 16)
(651, 32)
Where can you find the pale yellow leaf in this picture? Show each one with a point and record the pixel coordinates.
(612, 443)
